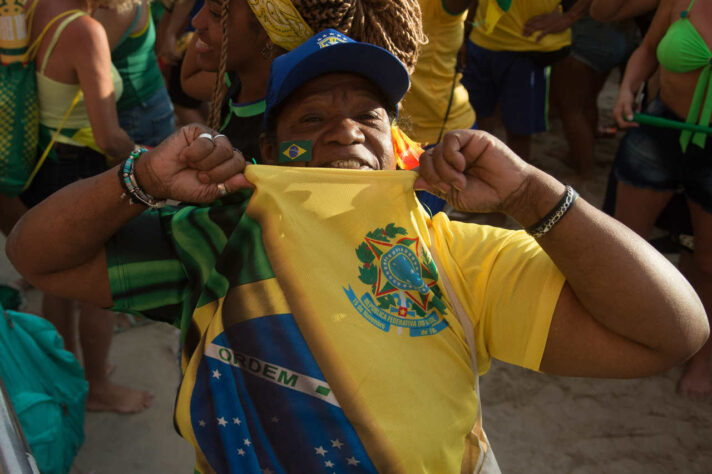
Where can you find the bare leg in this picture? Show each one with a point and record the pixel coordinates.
(578, 110)
(60, 312)
(11, 209)
(96, 327)
(696, 381)
(638, 208)
(520, 144)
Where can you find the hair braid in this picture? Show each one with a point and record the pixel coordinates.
(395, 25)
(220, 89)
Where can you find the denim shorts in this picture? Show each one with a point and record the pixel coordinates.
(70, 164)
(512, 80)
(149, 122)
(599, 45)
(651, 157)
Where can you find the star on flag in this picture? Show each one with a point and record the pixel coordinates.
(222, 421)
(335, 443)
(320, 451)
(216, 374)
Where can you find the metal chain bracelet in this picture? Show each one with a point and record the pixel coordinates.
(547, 222)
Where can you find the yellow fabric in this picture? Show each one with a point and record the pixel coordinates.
(55, 97)
(282, 22)
(506, 33)
(426, 102)
(313, 222)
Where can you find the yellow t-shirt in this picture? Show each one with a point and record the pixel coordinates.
(425, 104)
(502, 31)
(321, 327)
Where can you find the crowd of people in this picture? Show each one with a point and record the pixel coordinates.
(277, 226)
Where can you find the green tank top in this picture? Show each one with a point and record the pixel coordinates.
(135, 59)
(682, 50)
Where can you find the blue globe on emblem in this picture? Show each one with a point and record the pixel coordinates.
(293, 151)
(401, 268)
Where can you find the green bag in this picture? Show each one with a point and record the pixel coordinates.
(19, 110)
(46, 386)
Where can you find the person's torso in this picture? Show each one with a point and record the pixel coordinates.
(291, 368)
(434, 80)
(500, 30)
(135, 59)
(55, 98)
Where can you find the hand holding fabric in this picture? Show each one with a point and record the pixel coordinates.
(188, 167)
(474, 172)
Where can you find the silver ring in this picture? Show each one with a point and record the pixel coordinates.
(221, 189)
(218, 135)
(206, 135)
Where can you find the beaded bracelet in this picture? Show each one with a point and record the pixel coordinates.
(129, 182)
(548, 221)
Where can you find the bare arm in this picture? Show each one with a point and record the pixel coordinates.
(93, 67)
(617, 10)
(58, 245)
(555, 21)
(196, 83)
(172, 25)
(624, 311)
(114, 23)
(641, 65)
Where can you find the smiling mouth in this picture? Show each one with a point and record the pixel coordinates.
(351, 164)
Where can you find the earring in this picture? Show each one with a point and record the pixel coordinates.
(266, 50)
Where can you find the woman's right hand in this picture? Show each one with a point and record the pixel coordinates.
(189, 167)
(624, 108)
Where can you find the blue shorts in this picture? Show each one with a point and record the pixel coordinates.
(650, 157)
(512, 80)
(601, 46)
(150, 122)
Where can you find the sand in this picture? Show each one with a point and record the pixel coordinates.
(536, 423)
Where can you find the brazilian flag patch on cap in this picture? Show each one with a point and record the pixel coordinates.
(291, 152)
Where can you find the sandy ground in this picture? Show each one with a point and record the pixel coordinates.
(536, 423)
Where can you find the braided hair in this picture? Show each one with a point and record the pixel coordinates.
(395, 25)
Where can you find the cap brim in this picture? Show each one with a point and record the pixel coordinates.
(370, 61)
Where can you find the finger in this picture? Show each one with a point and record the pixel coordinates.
(429, 180)
(222, 151)
(452, 164)
(237, 182)
(225, 169)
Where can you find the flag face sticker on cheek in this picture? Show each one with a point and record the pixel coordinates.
(298, 150)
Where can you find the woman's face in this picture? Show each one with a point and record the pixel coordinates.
(245, 36)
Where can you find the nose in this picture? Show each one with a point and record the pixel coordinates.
(345, 131)
(198, 20)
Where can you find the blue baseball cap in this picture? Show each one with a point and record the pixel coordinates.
(331, 51)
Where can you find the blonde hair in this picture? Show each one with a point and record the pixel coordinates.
(395, 25)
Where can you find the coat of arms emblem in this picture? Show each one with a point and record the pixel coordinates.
(402, 281)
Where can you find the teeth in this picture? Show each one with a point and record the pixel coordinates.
(201, 44)
(349, 164)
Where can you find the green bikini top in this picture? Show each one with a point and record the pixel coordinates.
(682, 50)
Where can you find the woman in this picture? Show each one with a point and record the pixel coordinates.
(241, 37)
(145, 109)
(90, 140)
(653, 163)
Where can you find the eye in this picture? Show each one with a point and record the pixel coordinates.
(310, 118)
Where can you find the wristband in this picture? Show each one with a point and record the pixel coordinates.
(548, 221)
(132, 188)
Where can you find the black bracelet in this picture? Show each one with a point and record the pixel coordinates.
(548, 221)
(132, 188)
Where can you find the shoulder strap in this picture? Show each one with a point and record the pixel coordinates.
(34, 47)
(67, 20)
(689, 7)
(130, 28)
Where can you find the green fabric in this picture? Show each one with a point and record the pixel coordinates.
(160, 259)
(19, 125)
(135, 59)
(682, 50)
(654, 121)
(46, 386)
